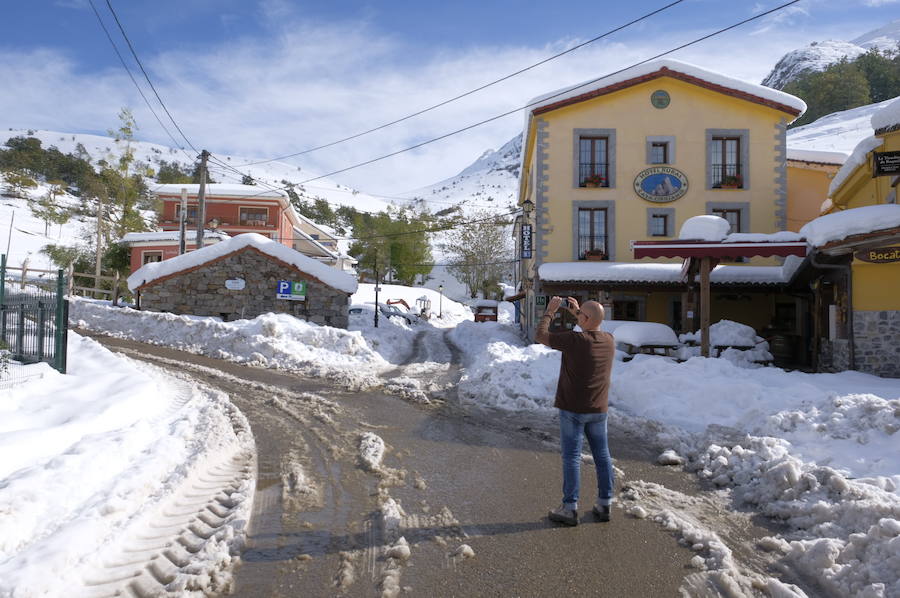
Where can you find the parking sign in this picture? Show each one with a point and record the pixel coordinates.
(290, 290)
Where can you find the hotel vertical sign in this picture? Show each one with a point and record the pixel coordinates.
(526, 242)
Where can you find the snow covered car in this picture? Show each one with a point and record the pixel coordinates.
(387, 311)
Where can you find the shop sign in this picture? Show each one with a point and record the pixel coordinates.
(879, 255)
(526, 241)
(540, 300)
(660, 184)
(886, 163)
(292, 291)
(235, 284)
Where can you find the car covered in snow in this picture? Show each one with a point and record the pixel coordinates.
(387, 311)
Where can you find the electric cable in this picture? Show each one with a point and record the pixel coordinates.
(471, 91)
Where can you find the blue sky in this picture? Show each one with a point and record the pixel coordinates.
(265, 78)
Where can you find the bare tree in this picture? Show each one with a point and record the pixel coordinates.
(481, 252)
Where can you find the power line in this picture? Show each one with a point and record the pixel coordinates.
(544, 99)
(471, 91)
(146, 76)
(134, 81)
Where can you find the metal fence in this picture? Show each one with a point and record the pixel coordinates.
(34, 319)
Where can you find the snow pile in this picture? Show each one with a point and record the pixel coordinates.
(840, 225)
(887, 117)
(744, 347)
(859, 157)
(845, 533)
(331, 276)
(270, 340)
(88, 457)
(705, 228)
(640, 334)
(371, 451)
(500, 371)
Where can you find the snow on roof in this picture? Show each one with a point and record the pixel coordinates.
(217, 189)
(857, 158)
(712, 77)
(826, 205)
(836, 132)
(173, 235)
(486, 303)
(888, 116)
(782, 236)
(330, 276)
(818, 156)
(840, 225)
(663, 273)
(705, 228)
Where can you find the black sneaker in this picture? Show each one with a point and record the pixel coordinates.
(564, 515)
(602, 512)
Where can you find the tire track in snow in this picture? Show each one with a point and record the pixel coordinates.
(187, 544)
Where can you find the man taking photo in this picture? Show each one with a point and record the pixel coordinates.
(582, 399)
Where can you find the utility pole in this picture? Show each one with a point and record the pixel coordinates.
(97, 267)
(377, 288)
(201, 200)
(182, 222)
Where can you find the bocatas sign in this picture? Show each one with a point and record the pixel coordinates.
(879, 255)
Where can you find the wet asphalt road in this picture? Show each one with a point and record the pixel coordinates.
(481, 479)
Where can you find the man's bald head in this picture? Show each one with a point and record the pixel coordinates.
(593, 314)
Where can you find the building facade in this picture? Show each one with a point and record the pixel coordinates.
(234, 210)
(631, 157)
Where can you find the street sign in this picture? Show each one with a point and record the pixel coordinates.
(292, 291)
(885, 163)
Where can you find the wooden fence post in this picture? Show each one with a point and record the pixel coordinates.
(115, 295)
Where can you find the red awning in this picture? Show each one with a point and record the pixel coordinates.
(686, 249)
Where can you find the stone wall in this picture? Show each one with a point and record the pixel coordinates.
(877, 345)
(877, 342)
(202, 292)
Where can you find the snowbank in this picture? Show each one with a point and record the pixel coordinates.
(270, 340)
(87, 457)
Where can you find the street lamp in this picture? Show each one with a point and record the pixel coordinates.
(528, 206)
(441, 302)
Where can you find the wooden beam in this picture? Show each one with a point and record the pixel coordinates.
(704, 306)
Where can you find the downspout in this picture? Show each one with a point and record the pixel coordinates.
(847, 268)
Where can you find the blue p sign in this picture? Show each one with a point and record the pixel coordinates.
(284, 287)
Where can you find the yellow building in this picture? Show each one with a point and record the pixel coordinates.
(809, 175)
(856, 248)
(631, 157)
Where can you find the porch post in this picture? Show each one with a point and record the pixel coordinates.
(704, 306)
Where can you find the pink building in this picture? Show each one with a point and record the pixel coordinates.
(233, 210)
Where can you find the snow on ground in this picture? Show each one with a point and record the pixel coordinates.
(87, 458)
(818, 452)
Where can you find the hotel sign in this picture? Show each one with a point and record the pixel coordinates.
(885, 163)
(879, 255)
(660, 184)
(526, 241)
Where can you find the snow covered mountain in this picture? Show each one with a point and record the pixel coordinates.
(487, 184)
(819, 55)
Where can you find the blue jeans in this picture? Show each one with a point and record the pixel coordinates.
(573, 427)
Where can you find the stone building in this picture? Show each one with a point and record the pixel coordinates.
(244, 277)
